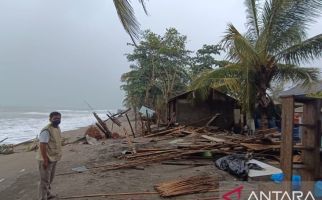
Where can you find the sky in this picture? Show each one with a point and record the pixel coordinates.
(60, 53)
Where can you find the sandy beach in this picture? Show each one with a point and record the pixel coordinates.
(19, 173)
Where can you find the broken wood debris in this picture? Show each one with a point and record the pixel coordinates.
(6, 149)
(114, 120)
(190, 185)
(195, 142)
(102, 126)
(119, 114)
(128, 120)
(165, 132)
(93, 132)
(186, 163)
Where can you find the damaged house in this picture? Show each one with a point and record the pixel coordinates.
(189, 109)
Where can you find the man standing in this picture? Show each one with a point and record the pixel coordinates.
(49, 153)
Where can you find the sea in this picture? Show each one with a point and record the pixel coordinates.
(20, 124)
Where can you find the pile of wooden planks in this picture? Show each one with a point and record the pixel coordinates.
(193, 142)
(190, 185)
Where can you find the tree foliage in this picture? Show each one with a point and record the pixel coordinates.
(158, 71)
(205, 59)
(271, 50)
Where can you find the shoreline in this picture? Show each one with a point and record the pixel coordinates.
(23, 162)
(32, 139)
(19, 174)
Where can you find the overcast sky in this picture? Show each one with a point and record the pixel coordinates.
(59, 53)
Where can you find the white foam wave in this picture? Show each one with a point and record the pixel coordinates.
(26, 125)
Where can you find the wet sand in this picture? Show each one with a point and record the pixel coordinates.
(21, 174)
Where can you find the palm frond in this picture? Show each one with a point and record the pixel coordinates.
(240, 49)
(303, 52)
(288, 72)
(252, 18)
(271, 9)
(228, 77)
(287, 38)
(142, 2)
(127, 17)
(282, 15)
(231, 80)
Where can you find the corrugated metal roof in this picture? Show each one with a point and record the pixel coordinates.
(190, 91)
(300, 90)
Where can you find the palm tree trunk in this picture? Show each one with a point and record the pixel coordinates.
(264, 101)
(263, 121)
(250, 122)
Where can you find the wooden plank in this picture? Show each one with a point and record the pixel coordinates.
(107, 132)
(185, 163)
(128, 120)
(302, 147)
(260, 147)
(114, 120)
(267, 131)
(212, 119)
(148, 123)
(165, 132)
(213, 138)
(287, 140)
(142, 125)
(310, 136)
(101, 128)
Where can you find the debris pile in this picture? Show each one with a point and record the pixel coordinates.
(6, 149)
(93, 132)
(194, 142)
(191, 185)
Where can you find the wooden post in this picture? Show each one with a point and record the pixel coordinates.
(129, 141)
(148, 124)
(127, 117)
(135, 119)
(142, 125)
(311, 137)
(287, 141)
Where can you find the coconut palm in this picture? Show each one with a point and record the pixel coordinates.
(272, 49)
(126, 15)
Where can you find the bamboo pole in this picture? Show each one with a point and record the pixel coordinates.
(127, 117)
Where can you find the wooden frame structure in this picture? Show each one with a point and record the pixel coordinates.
(310, 142)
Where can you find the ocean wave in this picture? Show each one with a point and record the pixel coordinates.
(19, 127)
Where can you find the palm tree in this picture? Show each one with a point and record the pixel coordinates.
(126, 15)
(272, 49)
